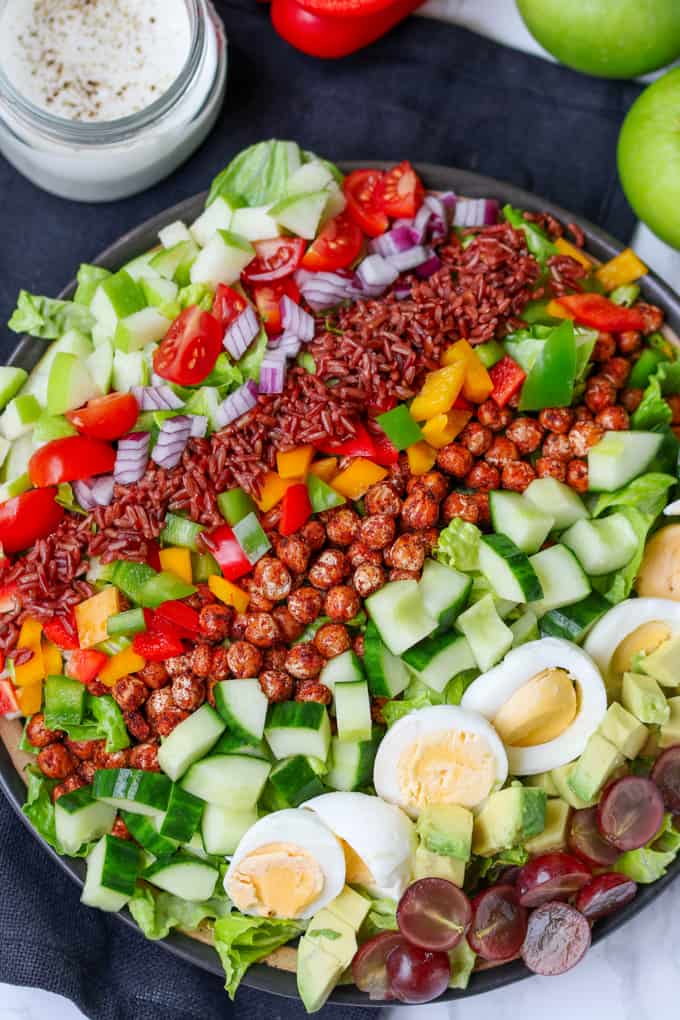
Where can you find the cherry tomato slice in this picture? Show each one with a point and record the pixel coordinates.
(27, 518)
(106, 417)
(604, 895)
(364, 193)
(550, 877)
(403, 191)
(345, 8)
(274, 259)
(189, 350)
(369, 969)
(586, 841)
(630, 812)
(499, 923)
(557, 938)
(267, 298)
(417, 975)
(69, 459)
(434, 914)
(228, 305)
(336, 247)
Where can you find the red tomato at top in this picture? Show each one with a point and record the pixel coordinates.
(106, 417)
(345, 8)
(26, 518)
(188, 351)
(336, 247)
(67, 460)
(228, 305)
(364, 193)
(274, 259)
(403, 191)
(267, 298)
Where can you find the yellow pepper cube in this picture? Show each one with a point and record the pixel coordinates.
(439, 391)
(272, 490)
(565, 247)
(93, 614)
(294, 463)
(558, 311)
(177, 561)
(52, 659)
(477, 384)
(624, 268)
(421, 457)
(443, 428)
(32, 672)
(30, 699)
(229, 593)
(30, 635)
(325, 469)
(358, 477)
(119, 665)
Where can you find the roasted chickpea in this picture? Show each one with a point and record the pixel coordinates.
(237, 630)
(87, 771)
(359, 645)
(289, 628)
(582, 436)
(460, 504)
(342, 525)
(262, 630)
(420, 510)
(201, 660)
(629, 341)
(178, 664)
(154, 675)
(577, 475)
(84, 750)
(456, 459)
(377, 531)
(557, 445)
(74, 782)
(56, 761)
(342, 603)
(483, 476)
(329, 568)
(120, 829)
(404, 575)
(613, 419)
(476, 438)
(494, 417)
(431, 481)
(137, 725)
(501, 452)
(616, 370)
(367, 578)
(359, 553)
(408, 553)
(310, 690)
(145, 757)
(294, 553)
(550, 467)
(130, 693)
(605, 347)
(481, 500)
(219, 664)
(314, 534)
(332, 639)
(244, 659)
(276, 685)
(272, 578)
(39, 735)
(215, 620)
(526, 434)
(517, 476)
(275, 658)
(556, 419)
(600, 393)
(167, 721)
(382, 498)
(631, 399)
(304, 661)
(188, 691)
(652, 315)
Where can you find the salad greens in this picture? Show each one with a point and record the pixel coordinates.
(157, 912)
(47, 318)
(242, 941)
(39, 809)
(458, 545)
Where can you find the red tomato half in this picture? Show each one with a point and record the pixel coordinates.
(228, 305)
(26, 518)
(267, 298)
(67, 460)
(336, 247)
(364, 193)
(106, 417)
(345, 8)
(404, 192)
(189, 350)
(274, 259)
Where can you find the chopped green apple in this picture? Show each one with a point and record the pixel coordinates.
(217, 216)
(222, 260)
(254, 224)
(129, 370)
(141, 266)
(158, 291)
(115, 298)
(301, 214)
(11, 381)
(70, 384)
(51, 426)
(19, 416)
(141, 328)
(174, 233)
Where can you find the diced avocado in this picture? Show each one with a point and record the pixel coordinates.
(328, 946)
(350, 906)
(337, 936)
(624, 730)
(508, 817)
(560, 778)
(599, 759)
(318, 972)
(664, 663)
(431, 865)
(669, 733)
(70, 384)
(554, 836)
(446, 829)
(642, 696)
(542, 781)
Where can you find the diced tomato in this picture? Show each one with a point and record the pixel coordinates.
(56, 631)
(363, 444)
(228, 305)
(507, 378)
(66, 460)
(336, 247)
(106, 417)
(226, 548)
(267, 298)
(599, 312)
(345, 8)
(86, 664)
(9, 598)
(274, 259)
(188, 351)
(403, 191)
(296, 509)
(28, 517)
(364, 193)
(181, 616)
(160, 641)
(9, 706)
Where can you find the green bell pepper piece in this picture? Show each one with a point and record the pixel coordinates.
(130, 622)
(181, 531)
(128, 576)
(626, 295)
(399, 427)
(550, 382)
(646, 365)
(163, 587)
(64, 702)
(321, 495)
(203, 566)
(251, 537)
(489, 353)
(234, 505)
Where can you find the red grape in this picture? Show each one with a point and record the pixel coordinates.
(417, 975)
(666, 775)
(434, 914)
(499, 923)
(557, 938)
(369, 964)
(550, 877)
(630, 812)
(605, 894)
(586, 840)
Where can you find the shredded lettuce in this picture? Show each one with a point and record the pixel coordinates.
(488, 869)
(462, 961)
(456, 688)
(196, 294)
(458, 545)
(653, 408)
(225, 375)
(39, 809)
(538, 242)
(110, 723)
(650, 862)
(259, 174)
(381, 917)
(47, 318)
(393, 711)
(157, 913)
(241, 941)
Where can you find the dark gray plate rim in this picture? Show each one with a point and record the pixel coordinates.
(26, 355)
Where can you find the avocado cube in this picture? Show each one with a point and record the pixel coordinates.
(642, 696)
(351, 907)
(623, 730)
(336, 936)
(560, 778)
(318, 972)
(542, 781)
(446, 829)
(599, 759)
(431, 865)
(664, 663)
(669, 733)
(508, 817)
(554, 836)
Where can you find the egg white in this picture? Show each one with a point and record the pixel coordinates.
(615, 626)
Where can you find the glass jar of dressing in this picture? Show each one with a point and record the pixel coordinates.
(100, 99)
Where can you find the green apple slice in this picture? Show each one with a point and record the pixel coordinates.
(70, 384)
(216, 217)
(19, 416)
(301, 214)
(222, 260)
(158, 291)
(11, 381)
(136, 331)
(115, 299)
(254, 224)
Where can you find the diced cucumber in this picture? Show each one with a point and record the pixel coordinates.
(351, 764)
(298, 727)
(488, 636)
(141, 265)
(619, 457)
(243, 706)
(158, 291)
(222, 260)
(562, 579)
(603, 545)
(70, 384)
(79, 819)
(508, 569)
(399, 613)
(341, 669)
(301, 214)
(222, 828)
(195, 846)
(182, 816)
(112, 869)
(141, 328)
(335, 203)
(556, 499)
(254, 224)
(183, 875)
(11, 381)
(115, 298)
(230, 743)
(176, 263)
(146, 832)
(143, 793)
(439, 658)
(525, 628)
(445, 592)
(218, 216)
(353, 711)
(519, 519)
(189, 741)
(19, 416)
(174, 233)
(308, 178)
(232, 780)
(295, 780)
(100, 365)
(387, 675)
(129, 370)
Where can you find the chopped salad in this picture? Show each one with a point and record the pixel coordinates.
(337, 582)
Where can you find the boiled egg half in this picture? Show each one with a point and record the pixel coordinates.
(377, 838)
(439, 755)
(544, 699)
(288, 865)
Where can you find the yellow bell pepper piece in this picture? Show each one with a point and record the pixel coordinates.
(557, 311)
(624, 268)
(421, 457)
(119, 665)
(358, 477)
(30, 699)
(294, 463)
(477, 384)
(439, 391)
(565, 247)
(30, 635)
(443, 428)
(93, 614)
(33, 671)
(229, 593)
(51, 659)
(177, 561)
(325, 469)
(272, 490)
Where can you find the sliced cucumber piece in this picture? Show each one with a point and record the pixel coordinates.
(488, 636)
(222, 260)
(508, 570)
(112, 869)
(222, 828)
(129, 370)
(439, 658)
(562, 579)
(341, 669)
(525, 628)
(147, 833)
(445, 592)
(70, 384)
(174, 233)
(243, 706)
(295, 780)
(298, 727)
(182, 816)
(308, 178)
(183, 875)
(79, 819)
(255, 224)
(574, 621)
(603, 545)
(557, 500)
(19, 416)
(619, 457)
(218, 216)
(520, 520)
(143, 793)
(11, 381)
(175, 263)
(189, 741)
(158, 291)
(115, 298)
(301, 214)
(399, 613)
(387, 675)
(351, 764)
(353, 711)
(232, 780)
(229, 743)
(136, 331)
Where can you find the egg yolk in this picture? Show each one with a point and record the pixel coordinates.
(446, 767)
(276, 880)
(538, 711)
(356, 870)
(644, 639)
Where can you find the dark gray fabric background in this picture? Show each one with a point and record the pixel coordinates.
(428, 92)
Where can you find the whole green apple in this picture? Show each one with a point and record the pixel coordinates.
(649, 157)
(607, 38)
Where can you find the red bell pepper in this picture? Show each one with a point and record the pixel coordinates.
(507, 378)
(153, 558)
(461, 403)
(9, 598)
(599, 312)
(9, 706)
(181, 616)
(296, 509)
(86, 664)
(376, 448)
(326, 35)
(160, 641)
(56, 631)
(226, 548)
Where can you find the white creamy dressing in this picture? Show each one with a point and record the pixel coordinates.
(93, 60)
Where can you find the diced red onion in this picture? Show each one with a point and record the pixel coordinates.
(402, 293)
(325, 290)
(409, 259)
(156, 398)
(437, 227)
(377, 271)
(429, 266)
(448, 199)
(181, 423)
(399, 238)
(288, 345)
(296, 321)
(199, 426)
(241, 333)
(132, 457)
(102, 489)
(476, 212)
(421, 223)
(82, 490)
(172, 438)
(237, 403)
(272, 372)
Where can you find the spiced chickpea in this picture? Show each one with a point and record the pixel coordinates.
(407, 553)
(399, 474)
(556, 419)
(201, 660)
(56, 761)
(277, 685)
(582, 436)
(145, 757)
(431, 481)
(237, 630)
(130, 693)
(178, 664)
(481, 501)
(114, 759)
(577, 475)
(517, 475)
(359, 553)
(219, 664)
(404, 575)
(258, 602)
(582, 413)
(154, 675)
(616, 370)
(382, 498)
(188, 692)
(526, 434)
(342, 603)
(289, 628)
(39, 735)
(329, 568)
(215, 620)
(84, 750)
(342, 526)
(158, 701)
(168, 721)
(377, 705)
(476, 438)
(304, 661)
(502, 451)
(368, 578)
(304, 605)
(613, 419)
(605, 347)
(483, 476)
(310, 690)
(456, 459)
(493, 416)
(460, 504)
(629, 342)
(272, 578)
(600, 393)
(550, 467)
(314, 534)
(294, 553)
(429, 538)
(262, 630)
(275, 658)
(74, 782)
(377, 530)
(137, 725)
(87, 771)
(332, 639)
(244, 659)
(674, 403)
(420, 510)
(631, 399)
(557, 445)
(652, 315)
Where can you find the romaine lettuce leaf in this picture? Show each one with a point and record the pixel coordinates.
(241, 941)
(225, 375)
(381, 917)
(249, 365)
(456, 688)
(110, 723)
(259, 174)
(617, 586)
(647, 493)
(48, 318)
(393, 711)
(538, 242)
(157, 913)
(653, 409)
(458, 545)
(89, 277)
(39, 809)
(196, 294)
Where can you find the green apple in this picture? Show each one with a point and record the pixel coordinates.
(649, 157)
(606, 38)
(69, 385)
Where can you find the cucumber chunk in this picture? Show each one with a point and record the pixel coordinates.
(174, 233)
(294, 781)
(387, 675)
(399, 613)
(520, 520)
(351, 763)
(525, 628)
(556, 499)
(129, 370)
(445, 592)
(508, 569)
(222, 828)
(222, 260)
(182, 816)
(111, 875)
(147, 833)
(488, 636)
(229, 743)
(603, 545)
(79, 819)
(175, 263)
(232, 780)
(243, 706)
(439, 658)
(143, 793)
(254, 224)
(353, 711)
(301, 213)
(619, 457)
(189, 741)
(183, 875)
(343, 668)
(298, 727)
(562, 579)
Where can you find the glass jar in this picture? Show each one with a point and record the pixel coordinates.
(106, 160)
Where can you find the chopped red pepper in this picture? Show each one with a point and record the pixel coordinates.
(507, 378)
(362, 444)
(160, 641)
(461, 403)
(226, 548)
(60, 634)
(599, 312)
(86, 664)
(181, 616)
(295, 509)
(153, 558)
(9, 598)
